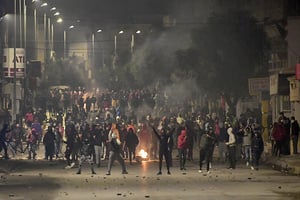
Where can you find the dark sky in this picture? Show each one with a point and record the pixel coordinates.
(122, 11)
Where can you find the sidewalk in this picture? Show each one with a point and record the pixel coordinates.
(289, 164)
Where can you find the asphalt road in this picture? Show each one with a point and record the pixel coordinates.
(44, 180)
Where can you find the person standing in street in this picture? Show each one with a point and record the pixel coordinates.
(207, 141)
(294, 134)
(49, 142)
(3, 146)
(32, 139)
(97, 141)
(257, 147)
(231, 148)
(115, 153)
(164, 140)
(131, 142)
(182, 146)
(247, 145)
(86, 154)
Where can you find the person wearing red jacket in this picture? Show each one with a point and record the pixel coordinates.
(278, 133)
(182, 146)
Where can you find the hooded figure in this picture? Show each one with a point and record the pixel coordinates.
(206, 151)
(86, 154)
(182, 146)
(131, 141)
(3, 133)
(257, 146)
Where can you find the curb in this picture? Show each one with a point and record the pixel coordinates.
(286, 164)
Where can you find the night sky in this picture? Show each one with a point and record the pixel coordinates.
(113, 11)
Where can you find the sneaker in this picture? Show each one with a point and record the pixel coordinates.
(158, 173)
(108, 173)
(208, 172)
(93, 172)
(124, 172)
(200, 171)
(72, 165)
(169, 173)
(79, 172)
(247, 164)
(252, 168)
(68, 167)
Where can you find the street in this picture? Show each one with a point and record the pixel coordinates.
(40, 179)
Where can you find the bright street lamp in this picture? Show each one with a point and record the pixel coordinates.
(44, 5)
(59, 20)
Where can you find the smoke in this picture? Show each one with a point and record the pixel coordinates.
(155, 65)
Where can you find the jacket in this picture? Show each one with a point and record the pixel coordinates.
(182, 140)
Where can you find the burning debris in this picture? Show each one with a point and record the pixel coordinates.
(142, 156)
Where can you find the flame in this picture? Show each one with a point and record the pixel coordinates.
(143, 153)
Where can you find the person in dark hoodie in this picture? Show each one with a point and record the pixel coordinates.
(164, 147)
(131, 142)
(49, 143)
(182, 146)
(86, 154)
(295, 134)
(206, 149)
(3, 146)
(257, 146)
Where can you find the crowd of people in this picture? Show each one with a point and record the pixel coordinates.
(284, 130)
(110, 126)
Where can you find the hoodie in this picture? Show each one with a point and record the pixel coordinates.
(182, 140)
(231, 140)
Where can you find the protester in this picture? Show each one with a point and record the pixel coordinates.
(131, 142)
(3, 146)
(32, 140)
(49, 142)
(115, 153)
(257, 146)
(164, 140)
(231, 148)
(208, 140)
(294, 134)
(86, 154)
(182, 146)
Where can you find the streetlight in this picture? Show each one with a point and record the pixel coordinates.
(133, 40)
(115, 50)
(93, 47)
(14, 106)
(45, 30)
(65, 40)
(58, 20)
